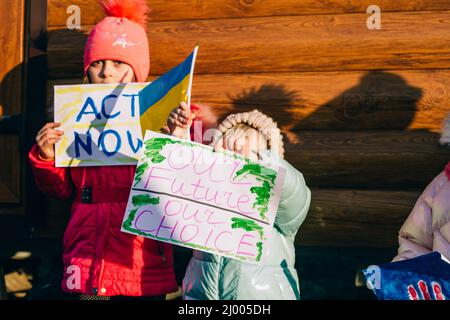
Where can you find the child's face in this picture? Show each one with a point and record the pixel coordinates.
(244, 140)
(110, 71)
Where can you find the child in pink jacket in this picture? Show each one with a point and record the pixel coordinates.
(427, 228)
(100, 261)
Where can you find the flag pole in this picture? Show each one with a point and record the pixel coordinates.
(191, 76)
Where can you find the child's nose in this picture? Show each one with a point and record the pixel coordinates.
(107, 70)
(240, 143)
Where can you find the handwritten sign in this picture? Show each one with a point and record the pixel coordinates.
(184, 193)
(100, 123)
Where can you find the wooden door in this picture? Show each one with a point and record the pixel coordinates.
(12, 90)
(22, 109)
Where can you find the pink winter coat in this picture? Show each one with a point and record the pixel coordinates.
(109, 262)
(98, 258)
(428, 226)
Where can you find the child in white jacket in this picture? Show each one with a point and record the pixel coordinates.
(213, 277)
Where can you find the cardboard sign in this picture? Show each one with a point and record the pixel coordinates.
(184, 193)
(100, 123)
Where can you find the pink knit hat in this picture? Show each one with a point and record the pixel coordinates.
(121, 36)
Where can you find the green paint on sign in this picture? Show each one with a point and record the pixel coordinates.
(260, 247)
(127, 223)
(250, 225)
(258, 171)
(152, 152)
(262, 198)
(247, 225)
(267, 176)
(142, 199)
(139, 172)
(153, 148)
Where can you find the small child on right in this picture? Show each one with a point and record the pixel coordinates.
(427, 228)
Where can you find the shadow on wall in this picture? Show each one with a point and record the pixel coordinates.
(31, 119)
(381, 100)
(366, 120)
(271, 95)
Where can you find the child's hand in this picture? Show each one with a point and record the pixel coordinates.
(244, 141)
(179, 120)
(46, 139)
(165, 129)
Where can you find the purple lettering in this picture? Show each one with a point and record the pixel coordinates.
(243, 199)
(180, 189)
(217, 239)
(253, 245)
(180, 158)
(150, 175)
(214, 197)
(228, 199)
(175, 212)
(143, 227)
(209, 169)
(196, 187)
(211, 213)
(169, 227)
(209, 236)
(187, 217)
(233, 174)
(195, 227)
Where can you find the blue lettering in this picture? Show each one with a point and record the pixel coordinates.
(89, 102)
(101, 142)
(133, 106)
(109, 116)
(130, 141)
(87, 147)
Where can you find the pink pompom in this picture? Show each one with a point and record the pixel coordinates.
(134, 10)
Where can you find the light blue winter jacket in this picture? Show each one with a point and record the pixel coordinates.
(212, 277)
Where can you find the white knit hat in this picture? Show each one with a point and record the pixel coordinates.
(258, 120)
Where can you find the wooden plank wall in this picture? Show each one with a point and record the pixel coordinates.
(12, 96)
(361, 109)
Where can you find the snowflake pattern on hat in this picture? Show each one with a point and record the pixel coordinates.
(123, 41)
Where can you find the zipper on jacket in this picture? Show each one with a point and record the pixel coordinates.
(100, 265)
(105, 223)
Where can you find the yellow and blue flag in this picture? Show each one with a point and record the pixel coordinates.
(161, 96)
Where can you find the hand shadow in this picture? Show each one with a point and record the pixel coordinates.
(375, 114)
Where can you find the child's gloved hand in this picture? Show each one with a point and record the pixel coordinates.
(179, 121)
(46, 139)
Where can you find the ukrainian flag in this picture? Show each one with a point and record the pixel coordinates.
(161, 96)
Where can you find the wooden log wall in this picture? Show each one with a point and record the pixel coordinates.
(12, 95)
(361, 109)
